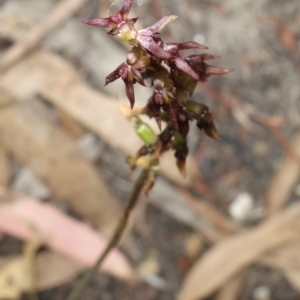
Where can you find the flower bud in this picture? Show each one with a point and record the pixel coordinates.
(181, 154)
(209, 70)
(200, 112)
(144, 131)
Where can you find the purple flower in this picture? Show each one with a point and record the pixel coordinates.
(197, 62)
(131, 72)
(124, 28)
(120, 25)
(204, 118)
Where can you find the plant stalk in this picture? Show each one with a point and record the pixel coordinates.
(89, 275)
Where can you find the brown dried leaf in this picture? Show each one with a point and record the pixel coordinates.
(18, 275)
(55, 270)
(52, 269)
(6, 97)
(287, 259)
(232, 289)
(283, 181)
(5, 170)
(230, 256)
(69, 125)
(65, 235)
(53, 157)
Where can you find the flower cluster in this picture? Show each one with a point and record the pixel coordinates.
(173, 78)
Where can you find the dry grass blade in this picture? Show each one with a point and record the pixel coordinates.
(54, 270)
(235, 253)
(284, 181)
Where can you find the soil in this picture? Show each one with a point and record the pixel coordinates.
(260, 40)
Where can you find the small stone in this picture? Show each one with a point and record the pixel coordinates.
(241, 207)
(261, 293)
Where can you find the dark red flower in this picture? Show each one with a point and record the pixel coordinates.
(163, 98)
(130, 72)
(204, 118)
(120, 25)
(197, 62)
(173, 78)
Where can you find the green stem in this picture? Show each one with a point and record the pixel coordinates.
(88, 276)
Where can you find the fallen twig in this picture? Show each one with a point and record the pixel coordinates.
(56, 17)
(114, 240)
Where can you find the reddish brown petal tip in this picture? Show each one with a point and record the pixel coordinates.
(217, 71)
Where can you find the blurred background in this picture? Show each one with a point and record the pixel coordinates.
(230, 230)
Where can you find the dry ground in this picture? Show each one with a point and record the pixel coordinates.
(258, 116)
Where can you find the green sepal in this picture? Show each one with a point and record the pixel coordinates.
(144, 131)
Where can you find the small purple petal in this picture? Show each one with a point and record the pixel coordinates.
(155, 111)
(151, 46)
(105, 22)
(205, 123)
(132, 21)
(171, 48)
(194, 59)
(112, 77)
(206, 56)
(158, 99)
(209, 129)
(158, 120)
(186, 68)
(126, 8)
(177, 104)
(113, 31)
(117, 73)
(190, 45)
(138, 77)
(158, 25)
(116, 19)
(209, 70)
(130, 92)
(171, 115)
